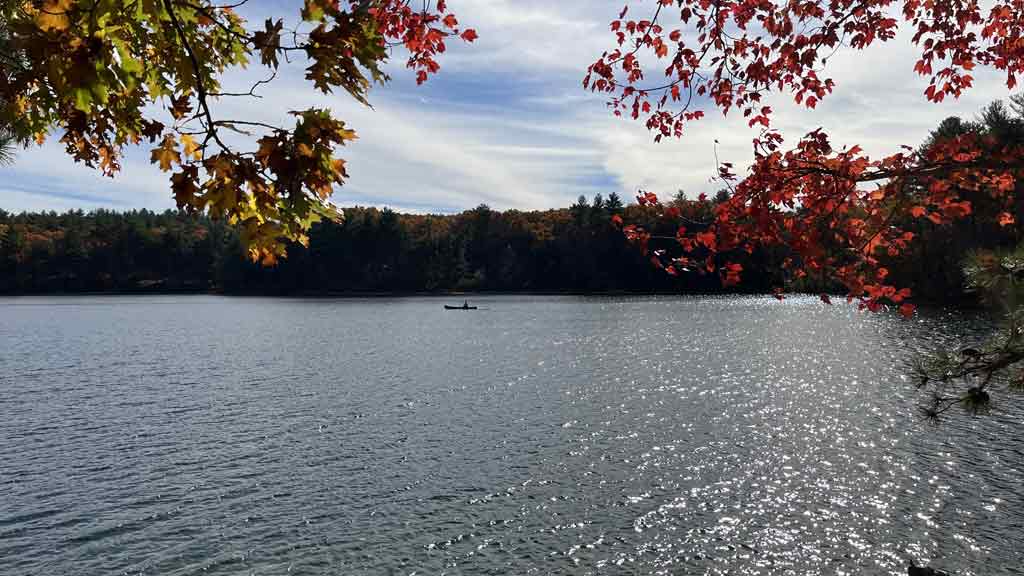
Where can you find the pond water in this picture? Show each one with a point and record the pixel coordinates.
(536, 435)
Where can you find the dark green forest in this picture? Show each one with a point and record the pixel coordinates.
(574, 249)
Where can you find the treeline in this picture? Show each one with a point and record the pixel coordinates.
(574, 249)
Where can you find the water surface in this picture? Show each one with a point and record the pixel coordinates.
(537, 435)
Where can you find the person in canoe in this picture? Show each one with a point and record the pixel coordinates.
(465, 306)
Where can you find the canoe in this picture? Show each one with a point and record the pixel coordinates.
(446, 307)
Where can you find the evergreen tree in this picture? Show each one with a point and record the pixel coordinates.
(580, 211)
(614, 204)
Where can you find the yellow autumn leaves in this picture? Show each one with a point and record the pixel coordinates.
(166, 154)
(103, 74)
(50, 15)
(276, 192)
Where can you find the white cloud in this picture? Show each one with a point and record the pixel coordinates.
(533, 37)
(46, 178)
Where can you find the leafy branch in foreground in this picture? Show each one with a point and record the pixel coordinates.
(838, 211)
(111, 73)
(841, 216)
(966, 377)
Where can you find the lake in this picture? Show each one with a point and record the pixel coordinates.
(537, 435)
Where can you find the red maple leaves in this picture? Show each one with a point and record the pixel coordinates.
(735, 52)
(838, 213)
(813, 201)
(420, 30)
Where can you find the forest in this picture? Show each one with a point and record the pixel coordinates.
(575, 249)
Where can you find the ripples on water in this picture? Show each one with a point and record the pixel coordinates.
(537, 436)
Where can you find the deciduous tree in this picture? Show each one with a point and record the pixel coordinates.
(103, 74)
(838, 212)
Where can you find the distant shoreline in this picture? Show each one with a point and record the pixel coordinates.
(378, 294)
(382, 294)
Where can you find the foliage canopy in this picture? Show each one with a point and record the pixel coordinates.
(837, 209)
(108, 73)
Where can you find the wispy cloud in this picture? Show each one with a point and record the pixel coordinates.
(45, 178)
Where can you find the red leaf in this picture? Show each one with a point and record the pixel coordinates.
(707, 239)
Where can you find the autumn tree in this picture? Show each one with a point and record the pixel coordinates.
(837, 212)
(103, 74)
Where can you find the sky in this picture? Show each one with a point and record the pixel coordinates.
(507, 123)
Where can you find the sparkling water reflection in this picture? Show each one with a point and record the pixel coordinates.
(201, 435)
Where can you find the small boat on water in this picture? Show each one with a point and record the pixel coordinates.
(465, 306)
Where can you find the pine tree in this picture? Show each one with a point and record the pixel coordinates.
(614, 204)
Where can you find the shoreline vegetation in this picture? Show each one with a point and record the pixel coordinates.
(381, 253)
(574, 250)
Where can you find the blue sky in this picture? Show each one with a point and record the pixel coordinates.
(507, 123)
